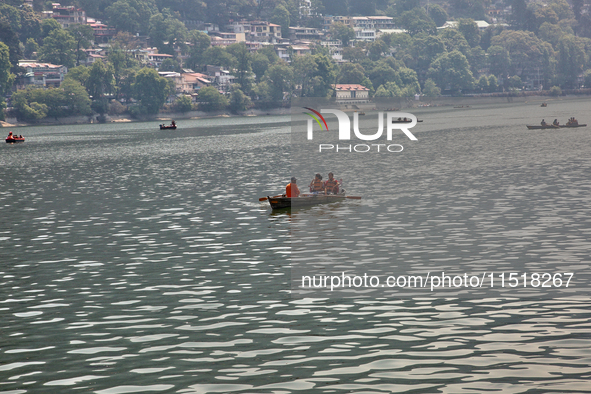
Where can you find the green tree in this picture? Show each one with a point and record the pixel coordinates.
(470, 31)
(555, 91)
(342, 32)
(260, 64)
(431, 89)
(423, 50)
(269, 51)
(26, 111)
(10, 39)
(474, 9)
(324, 77)
(304, 68)
(131, 15)
(239, 102)
(183, 104)
(243, 69)
(493, 83)
(452, 70)
(409, 82)
(499, 61)
(211, 100)
(150, 89)
(438, 14)
(389, 89)
(571, 61)
(59, 48)
(6, 77)
(198, 43)
(515, 82)
(76, 98)
(552, 33)
(455, 40)
(351, 73)
(166, 32)
(31, 47)
(83, 34)
(279, 78)
(170, 64)
(376, 49)
(100, 80)
(281, 17)
(417, 21)
(483, 83)
(80, 74)
(217, 56)
(354, 54)
(587, 78)
(525, 49)
(382, 74)
(48, 25)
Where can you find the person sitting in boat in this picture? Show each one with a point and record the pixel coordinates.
(555, 123)
(331, 185)
(543, 123)
(317, 186)
(291, 190)
(10, 135)
(173, 123)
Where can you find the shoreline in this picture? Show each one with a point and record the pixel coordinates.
(160, 117)
(399, 102)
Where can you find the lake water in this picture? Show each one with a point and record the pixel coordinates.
(137, 261)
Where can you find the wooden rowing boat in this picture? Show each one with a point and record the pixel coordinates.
(279, 202)
(552, 126)
(573, 125)
(539, 127)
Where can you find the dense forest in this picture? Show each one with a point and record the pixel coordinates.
(535, 45)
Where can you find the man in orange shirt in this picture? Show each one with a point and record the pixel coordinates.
(291, 190)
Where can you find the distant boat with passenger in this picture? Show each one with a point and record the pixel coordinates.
(13, 138)
(171, 126)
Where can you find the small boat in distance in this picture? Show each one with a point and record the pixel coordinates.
(544, 105)
(13, 138)
(405, 120)
(171, 126)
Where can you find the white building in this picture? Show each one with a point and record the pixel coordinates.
(351, 93)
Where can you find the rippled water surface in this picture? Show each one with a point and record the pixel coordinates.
(138, 261)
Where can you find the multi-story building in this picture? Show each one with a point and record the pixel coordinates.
(225, 39)
(265, 32)
(102, 32)
(222, 78)
(365, 34)
(304, 33)
(41, 74)
(305, 8)
(335, 48)
(66, 15)
(150, 57)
